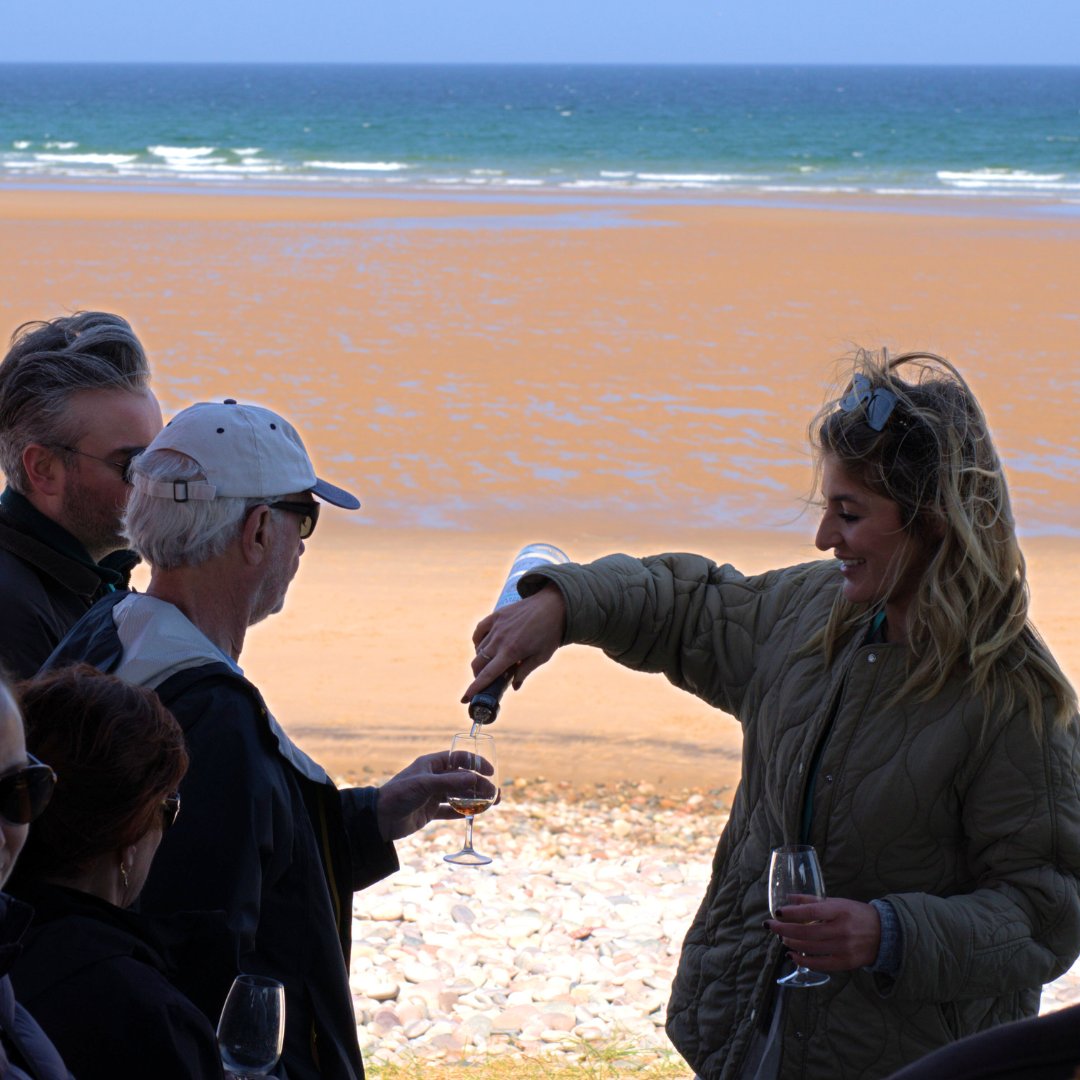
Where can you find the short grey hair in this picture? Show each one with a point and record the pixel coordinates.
(170, 534)
(47, 363)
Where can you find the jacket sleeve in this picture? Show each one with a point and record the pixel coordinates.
(373, 858)
(234, 835)
(1020, 927)
(698, 623)
(42, 1054)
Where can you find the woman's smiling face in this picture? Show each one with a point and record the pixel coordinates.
(879, 559)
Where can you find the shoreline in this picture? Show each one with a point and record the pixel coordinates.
(174, 198)
(391, 672)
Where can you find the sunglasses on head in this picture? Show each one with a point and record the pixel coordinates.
(879, 402)
(25, 792)
(308, 512)
(170, 810)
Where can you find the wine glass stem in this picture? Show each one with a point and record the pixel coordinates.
(468, 833)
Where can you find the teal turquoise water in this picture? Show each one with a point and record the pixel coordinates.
(695, 131)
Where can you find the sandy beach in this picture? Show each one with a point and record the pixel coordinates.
(599, 374)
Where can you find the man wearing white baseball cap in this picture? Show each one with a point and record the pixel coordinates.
(222, 505)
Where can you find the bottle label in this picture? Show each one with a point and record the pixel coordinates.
(484, 706)
(528, 559)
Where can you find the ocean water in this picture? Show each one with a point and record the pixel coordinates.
(694, 131)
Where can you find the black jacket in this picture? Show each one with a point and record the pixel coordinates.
(47, 583)
(97, 979)
(1044, 1048)
(25, 1050)
(265, 837)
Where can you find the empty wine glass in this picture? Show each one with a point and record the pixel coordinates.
(251, 1030)
(474, 751)
(794, 870)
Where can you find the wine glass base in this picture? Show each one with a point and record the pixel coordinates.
(803, 977)
(466, 857)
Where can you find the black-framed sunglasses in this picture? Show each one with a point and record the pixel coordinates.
(25, 792)
(879, 402)
(170, 810)
(308, 512)
(122, 467)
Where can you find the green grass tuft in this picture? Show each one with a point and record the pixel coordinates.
(582, 1061)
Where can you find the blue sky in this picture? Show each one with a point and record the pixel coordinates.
(600, 31)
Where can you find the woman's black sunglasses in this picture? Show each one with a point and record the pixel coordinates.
(25, 792)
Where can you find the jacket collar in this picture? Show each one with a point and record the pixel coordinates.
(159, 642)
(28, 533)
(15, 917)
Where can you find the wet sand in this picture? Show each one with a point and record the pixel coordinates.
(368, 684)
(595, 373)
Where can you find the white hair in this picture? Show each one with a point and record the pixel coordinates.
(170, 534)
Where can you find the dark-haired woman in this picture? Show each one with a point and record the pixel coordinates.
(899, 713)
(98, 978)
(25, 788)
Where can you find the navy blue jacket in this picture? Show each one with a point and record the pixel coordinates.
(262, 840)
(25, 1050)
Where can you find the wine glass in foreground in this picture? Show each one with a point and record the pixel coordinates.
(474, 752)
(794, 870)
(251, 1030)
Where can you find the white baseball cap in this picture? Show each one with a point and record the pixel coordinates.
(244, 451)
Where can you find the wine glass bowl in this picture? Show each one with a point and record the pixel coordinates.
(794, 870)
(251, 1030)
(473, 752)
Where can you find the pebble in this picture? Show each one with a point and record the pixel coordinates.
(571, 935)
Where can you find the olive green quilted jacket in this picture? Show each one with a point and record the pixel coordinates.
(961, 816)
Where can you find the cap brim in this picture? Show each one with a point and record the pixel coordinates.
(338, 496)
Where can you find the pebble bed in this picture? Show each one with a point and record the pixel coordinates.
(568, 940)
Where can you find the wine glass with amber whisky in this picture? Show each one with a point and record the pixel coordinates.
(473, 752)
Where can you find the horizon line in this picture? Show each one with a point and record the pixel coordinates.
(52, 62)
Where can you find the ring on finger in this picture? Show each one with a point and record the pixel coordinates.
(485, 655)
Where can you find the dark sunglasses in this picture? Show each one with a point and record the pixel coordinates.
(170, 810)
(879, 402)
(25, 792)
(122, 467)
(308, 512)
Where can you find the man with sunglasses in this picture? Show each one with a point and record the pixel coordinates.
(222, 507)
(74, 408)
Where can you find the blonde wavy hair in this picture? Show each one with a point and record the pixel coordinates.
(933, 456)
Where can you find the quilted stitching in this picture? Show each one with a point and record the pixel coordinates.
(960, 815)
